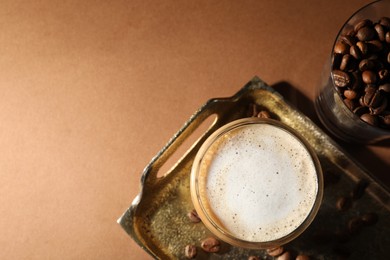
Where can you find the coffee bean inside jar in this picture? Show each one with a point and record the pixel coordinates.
(361, 70)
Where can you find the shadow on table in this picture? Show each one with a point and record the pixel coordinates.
(360, 153)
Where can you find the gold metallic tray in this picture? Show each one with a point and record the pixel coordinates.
(157, 219)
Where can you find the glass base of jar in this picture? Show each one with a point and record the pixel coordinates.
(342, 123)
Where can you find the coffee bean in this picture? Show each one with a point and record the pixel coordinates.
(386, 119)
(361, 24)
(370, 91)
(302, 257)
(349, 103)
(359, 189)
(193, 216)
(362, 47)
(355, 52)
(350, 94)
(381, 108)
(355, 224)
(359, 111)
(341, 78)
(376, 99)
(369, 219)
(264, 114)
(385, 21)
(210, 245)
(366, 64)
(365, 34)
(385, 87)
(276, 251)
(190, 251)
(341, 48)
(387, 37)
(368, 77)
(380, 31)
(252, 257)
(375, 46)
(343, 203)
(346, 62)
(369, 119)
(383, 75)
(348, 39)
(285, 256)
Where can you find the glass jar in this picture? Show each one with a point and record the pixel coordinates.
(353, 99)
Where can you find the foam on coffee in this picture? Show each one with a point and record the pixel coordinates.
(259, 181)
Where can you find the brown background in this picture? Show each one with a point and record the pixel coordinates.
(91, 90)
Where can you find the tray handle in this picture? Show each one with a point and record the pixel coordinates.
(212, 107)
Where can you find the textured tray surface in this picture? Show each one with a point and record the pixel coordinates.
(157, 219)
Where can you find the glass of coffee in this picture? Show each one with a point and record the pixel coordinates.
(353, 99)
(256, 183)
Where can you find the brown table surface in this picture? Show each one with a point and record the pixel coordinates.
(90, 91)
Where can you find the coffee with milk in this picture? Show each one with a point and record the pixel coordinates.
(257, 181)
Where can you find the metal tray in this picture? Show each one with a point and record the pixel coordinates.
(157, 218)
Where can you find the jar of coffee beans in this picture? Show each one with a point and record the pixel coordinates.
(353, 102)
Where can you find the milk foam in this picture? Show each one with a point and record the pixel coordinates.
(261, 182)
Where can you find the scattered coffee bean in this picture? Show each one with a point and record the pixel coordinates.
(302, 257)
(343, 203)
(369, 219)
(252, 257)
(355, 224)
(276, 251)
(210, 245)
(193, 216)
(190, 251)
(285, 256)
(264, 114)
(359, 189)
